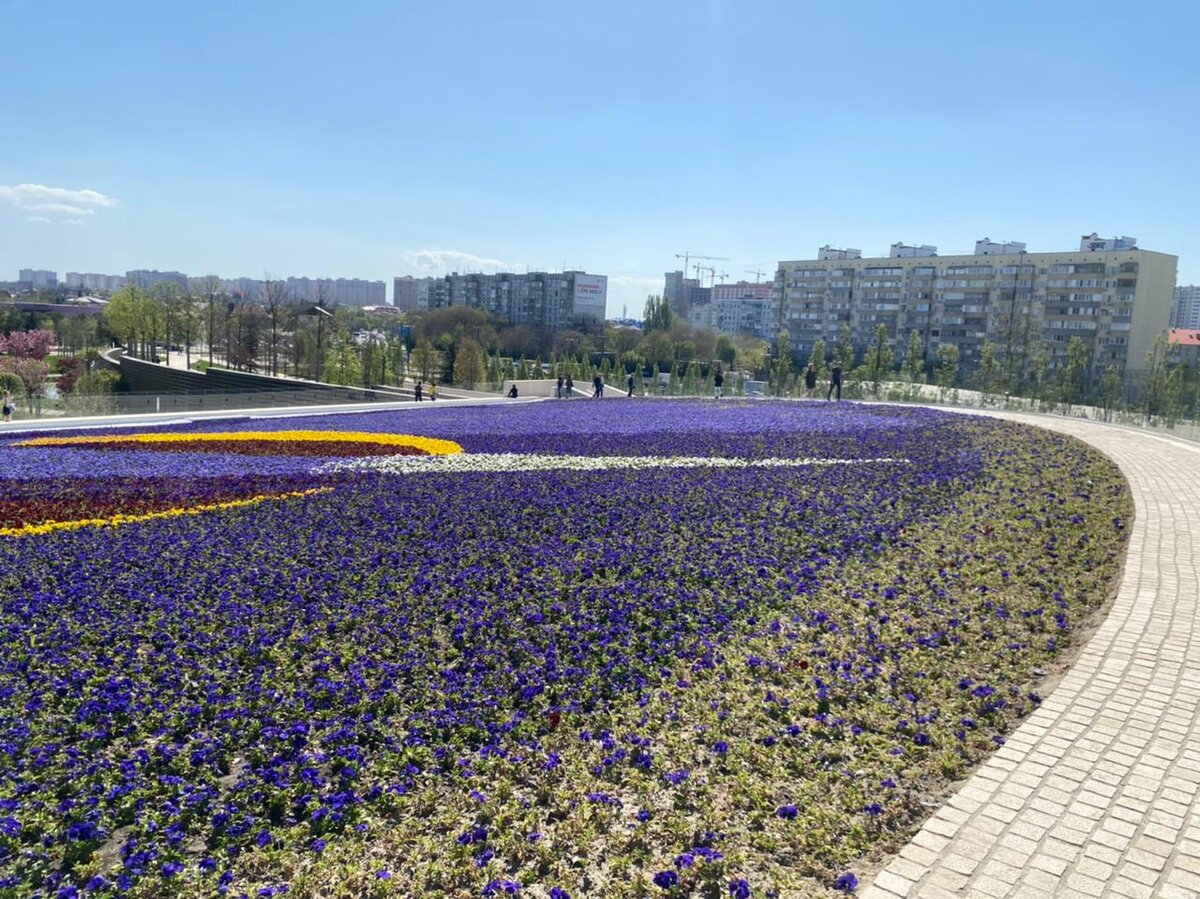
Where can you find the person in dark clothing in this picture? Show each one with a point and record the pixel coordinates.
(629, 384)
(835, 381)
(558, 388)
(598, 387)
(512, 392)
(718, 384)
(418, 392)
(569, 387)
(810, 381)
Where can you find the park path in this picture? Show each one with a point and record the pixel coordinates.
(1097, 793)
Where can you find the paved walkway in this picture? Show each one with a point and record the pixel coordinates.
(1098, 792)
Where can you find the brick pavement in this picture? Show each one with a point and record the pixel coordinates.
(1096, 793)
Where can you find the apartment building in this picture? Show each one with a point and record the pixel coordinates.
(41, 279)
(554, 300)
(1112, 294)
(147, 279)
(742, 308)
(95, 281)
(1186, 311)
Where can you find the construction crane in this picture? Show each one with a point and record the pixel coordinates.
(757, 272)
(688, 254)
(723, 276)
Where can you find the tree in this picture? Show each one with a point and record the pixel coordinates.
(342, 365)
(880, 360)
(657, 315)
(947, 372)
(27, 344)
(844, 352)
(470, 366)
(1070, 376)
(274, 297)
(817, 358)
(726, 350)
(914, 359)
(1110, 391)
(987, 376)
(425, 359)
(1041, 374)
(783, 362)
(33, 374)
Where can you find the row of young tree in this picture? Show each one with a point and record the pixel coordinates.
(277, 335)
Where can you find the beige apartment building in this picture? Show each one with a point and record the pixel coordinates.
(1110, 293)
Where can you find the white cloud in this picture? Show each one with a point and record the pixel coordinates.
(64, 208)
(39, 198)
(431, 261)
(34, 196)
(41, 219)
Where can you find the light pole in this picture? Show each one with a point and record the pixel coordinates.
(320, 313)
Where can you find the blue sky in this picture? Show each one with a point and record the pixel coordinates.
(374, 139)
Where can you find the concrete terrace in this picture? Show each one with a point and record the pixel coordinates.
(1097, 794)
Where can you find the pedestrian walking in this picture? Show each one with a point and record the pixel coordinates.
(570, 386)
(835, 381)
(8, 406)
(810, 381)
(718, 384)
(597, 387)
(432, 391)
(418, 392)
(629, 384)
(558, 388)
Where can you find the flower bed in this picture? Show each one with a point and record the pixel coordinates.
(532, 672)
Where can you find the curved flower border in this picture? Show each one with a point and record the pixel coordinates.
(429, 445)
(495, 462)
(33, 530)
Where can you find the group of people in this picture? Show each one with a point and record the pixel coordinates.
(419, 391)
(835, 381)
(564, 388)
(566, 385)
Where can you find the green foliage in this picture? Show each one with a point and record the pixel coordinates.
(817, 359)
(988, 376)
(1070, 376)
(425, 359)
(844, 352)
(880, 359)
(657, 315)
(1110, 390)
(947, 371)
(726, 350)
(914, 359)
(470, 367)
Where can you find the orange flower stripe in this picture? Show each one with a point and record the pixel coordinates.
(428, 445)
(32, 530)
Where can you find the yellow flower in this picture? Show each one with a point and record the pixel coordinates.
(431, 445)
(33, 530)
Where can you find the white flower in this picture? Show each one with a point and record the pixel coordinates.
(484, 462)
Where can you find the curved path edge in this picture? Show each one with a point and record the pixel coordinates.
(1097, 793)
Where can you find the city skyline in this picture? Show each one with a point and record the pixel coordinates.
(610, 143)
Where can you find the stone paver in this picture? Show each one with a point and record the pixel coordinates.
(1097, 794)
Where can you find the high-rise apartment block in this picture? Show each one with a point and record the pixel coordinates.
(683, 293)
(1111, 294)
(742, 308)
(41, 279)
(340, 291)
(554, 300)
(1186, 311)
(95, 281)
(148, 279)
